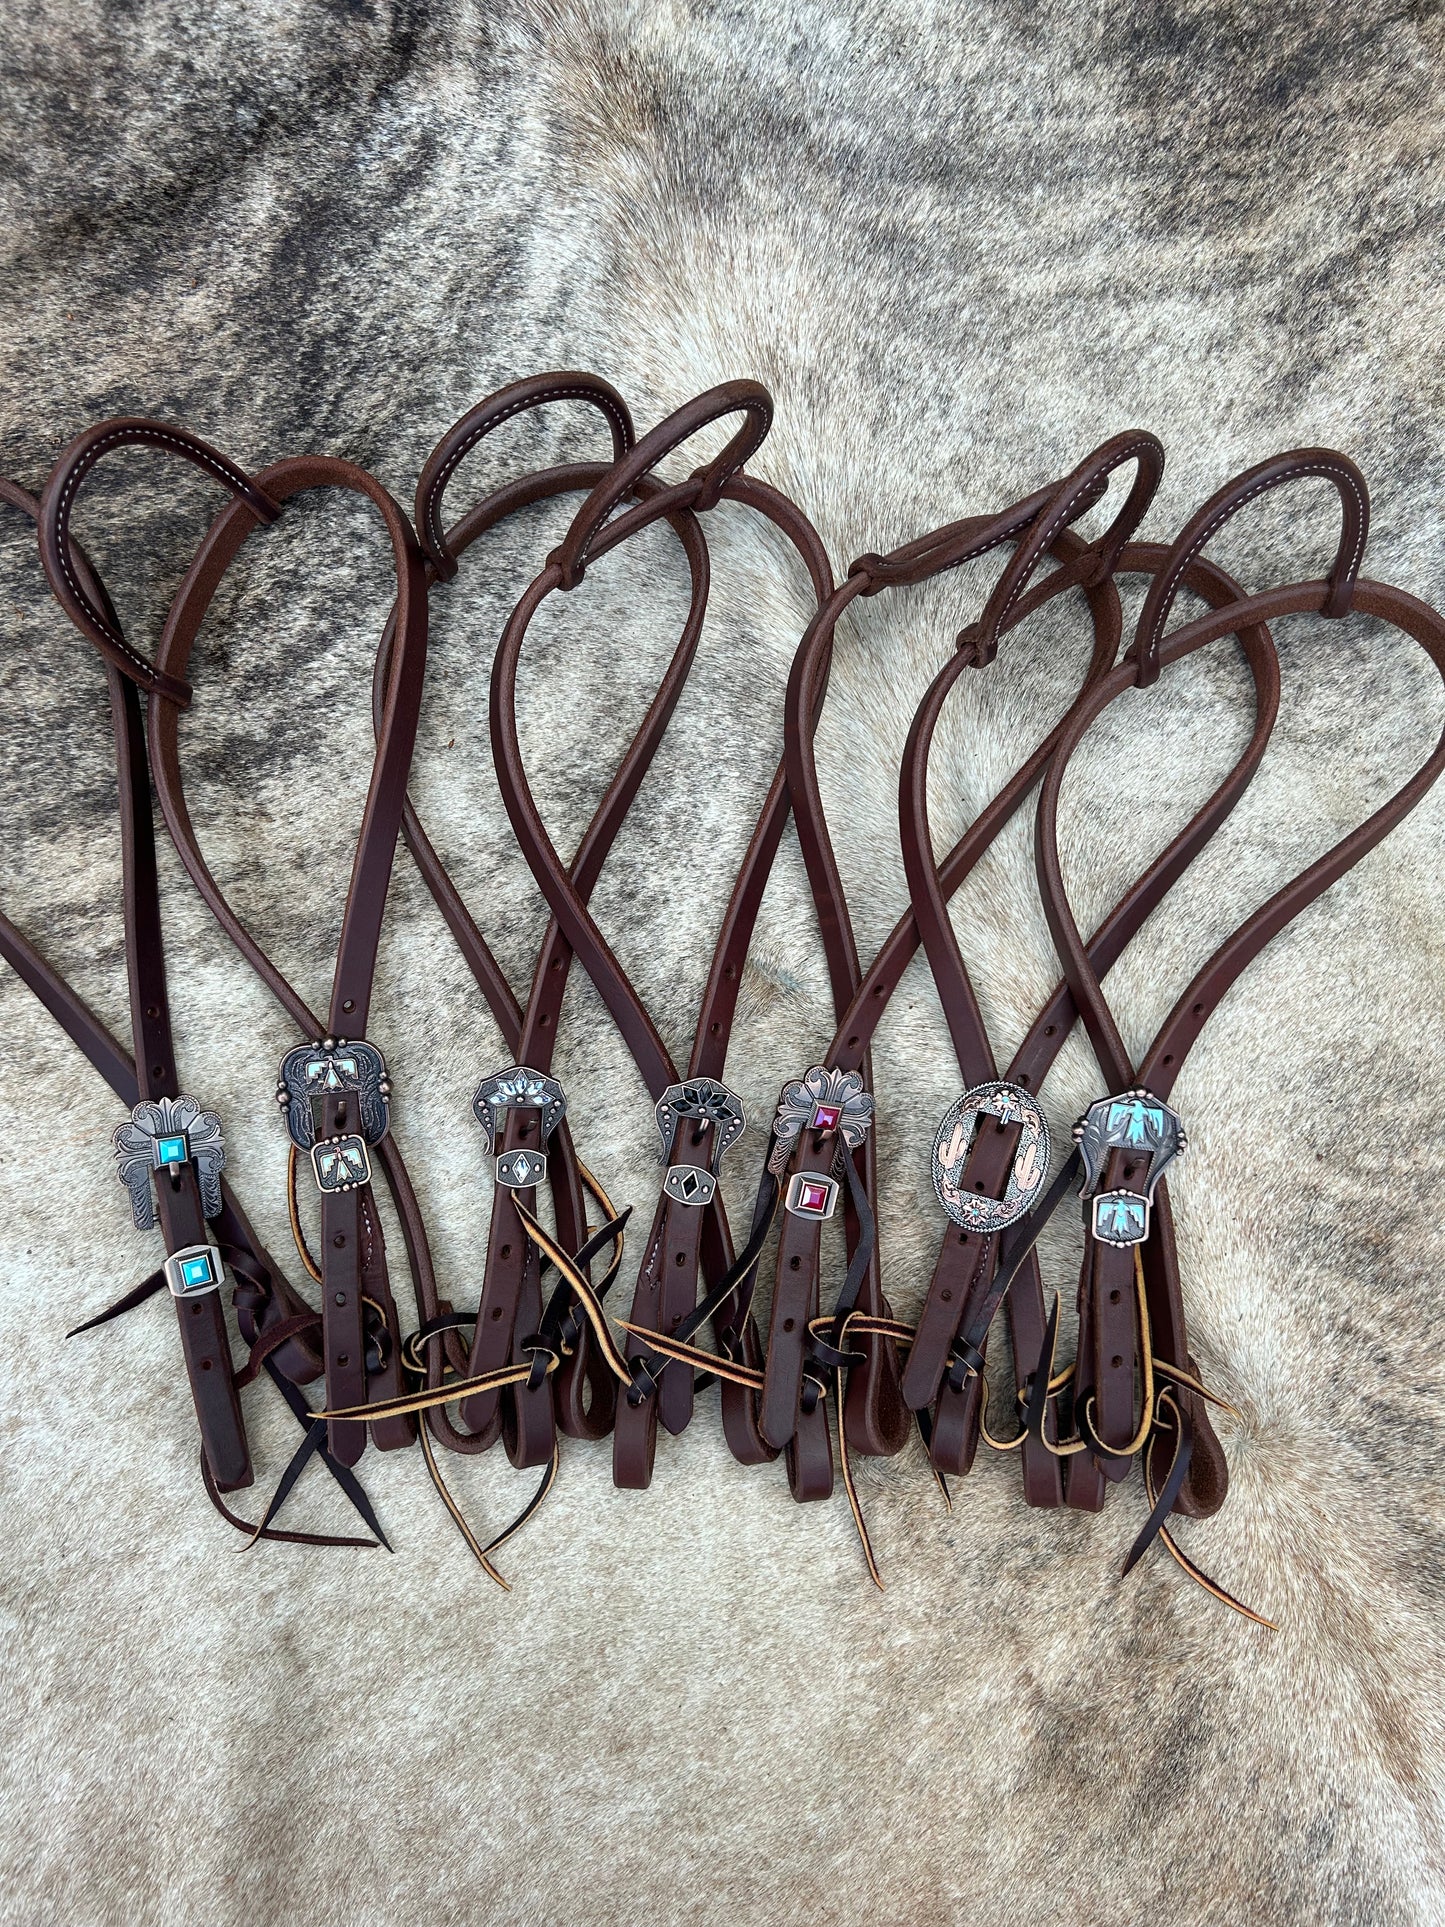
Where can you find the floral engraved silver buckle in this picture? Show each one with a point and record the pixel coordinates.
(194, 1270)
(706, 1101)
(1009, 1104)
(335, 1067)
(518, 1088)
(1136, 1122)
(821, 1100)
(162, 1136)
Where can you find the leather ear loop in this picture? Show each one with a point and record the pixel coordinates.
(1165, 1057)
(518, 398)
(1073, 495)
(581, 930)
(877, 1422)
(530, 1036)
(700, 492)
(94, 617)
(350, 1217)
(1297, 464)
(952, 1326)
(261, 1288)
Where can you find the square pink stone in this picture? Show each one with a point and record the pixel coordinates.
(812, 1197)
(827, 1117)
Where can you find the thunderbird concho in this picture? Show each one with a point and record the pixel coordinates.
(1133, 1121)
(1010, 1104)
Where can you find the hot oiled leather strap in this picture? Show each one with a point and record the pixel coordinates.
(584, 1392)
(965, 1291)
(1102, 1334)
(667, 1287)
(353, 1261)
(262, 1293)
(874, 1415)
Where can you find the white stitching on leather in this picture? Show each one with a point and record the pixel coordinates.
(1125, 454)
(1325, 469)
(62, 522)
(569, 392)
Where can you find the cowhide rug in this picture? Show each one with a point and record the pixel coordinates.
(961, 244)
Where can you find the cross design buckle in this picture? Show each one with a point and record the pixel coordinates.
(706, 1101)
(821, 1100)
(162, 1136)
(1138, 1122)
(1010, 1104)
(331, 1067)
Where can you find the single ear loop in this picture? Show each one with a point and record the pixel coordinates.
(1162, 1062)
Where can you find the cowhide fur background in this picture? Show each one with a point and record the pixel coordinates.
(961, 244)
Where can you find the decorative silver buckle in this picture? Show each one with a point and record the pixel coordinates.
(709, 1102)
(513, 1089)
(821, 1100)
(194, 1270)
(1132, 1121)
(331, 1067)
(162, 1136)
(1010, 1104)
(811, 1195)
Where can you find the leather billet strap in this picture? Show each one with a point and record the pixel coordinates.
(360, 1347)
(949, 1345)
(874, 1416)
(510, 1308)
(1109, 1326)
(262, 1295)
(684, 1234)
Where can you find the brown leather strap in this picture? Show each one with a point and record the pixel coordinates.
(1102, 1334)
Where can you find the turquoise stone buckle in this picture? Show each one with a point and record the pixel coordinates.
(194, 1270)
(1121, 1218)
(1148, 1133)
(340, 1163)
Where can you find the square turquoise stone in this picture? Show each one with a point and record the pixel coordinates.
(197, 1273)
(171, 1150)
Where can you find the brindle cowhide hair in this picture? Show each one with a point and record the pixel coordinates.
(961, 244)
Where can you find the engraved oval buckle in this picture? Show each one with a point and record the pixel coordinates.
(1010, 1104)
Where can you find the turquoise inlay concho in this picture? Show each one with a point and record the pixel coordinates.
(1121, 1218)
(340, 1163)
(1134, 1122)
(160, 1136)
(194, 1269)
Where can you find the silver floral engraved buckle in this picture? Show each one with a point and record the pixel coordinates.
(705, 1101)
(1009, 1104)
(161, 1137)
(832, 1103)
(518, 1088)
(336, 1067)
(194, 1270)
(1136, 1122)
